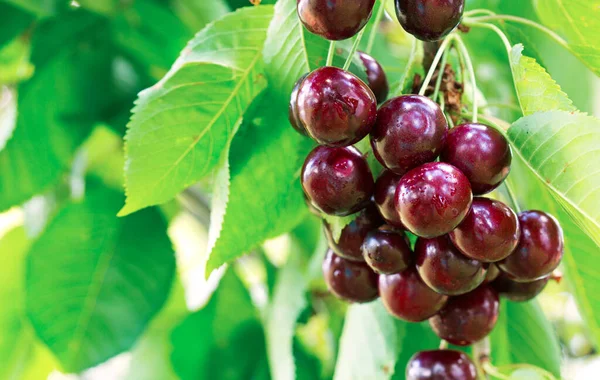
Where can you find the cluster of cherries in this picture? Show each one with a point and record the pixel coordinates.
(469, 249)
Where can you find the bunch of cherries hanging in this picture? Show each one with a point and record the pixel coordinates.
(470, 249)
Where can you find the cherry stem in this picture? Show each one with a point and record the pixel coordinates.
(512, 196)
(412, 58)
(435, 62)
(479, 11)
(470, 69)
(443, 344)
(330, 54)
(353, 49)
(481, 355)
(438, 82)
(378, 18)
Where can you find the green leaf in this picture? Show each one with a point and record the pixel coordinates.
(520, 372)
(197, 14)
(94, 281)
(14, 22)
(181, 126)
(14, 62)
(43, 8)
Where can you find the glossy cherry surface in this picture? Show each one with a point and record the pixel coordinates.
(445, 269)
(407, 297)
(349, 280)
(386, 251)
(385, 192)
(337, 181)
(429, 20)
(440, 365)
(335, 107)
(490, 231)
(293, 108)
(410, 131)
(378, 82)
(349, 244)
(467, 318)
(433, 199)
(337, 19)
(481, 153)
(540, 248)
(519, 291)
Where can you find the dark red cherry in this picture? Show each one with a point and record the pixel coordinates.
(467, 318)
(489, 232)
(337, 181)
(293, 108)
(445, 269)
(386, 251)
(335, 107)
(519, 291)
(407, 297)
(385, 191)
(349, 280)
(433, 199)
(540, 248)
(410, 131)
(349, 244)
(378, 82)
(335, 20)
(481, 153)
(492, 273)
(440, 365)
(429, 20)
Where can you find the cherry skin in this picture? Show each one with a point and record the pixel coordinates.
(492, 273)
(335, 107)
(335, 20)
(387, 252)
(433, 199)
(429, 20)
(440, 365)
(349, 244)
(337, 181)
(445, 269)
(410, 131)
(378, 82)
(540, 248)
(467, 318)
(407, 297)
(293, 108)
(385, 191)
(481, 153)
(349, 280)
(519, 291)
(489, 233)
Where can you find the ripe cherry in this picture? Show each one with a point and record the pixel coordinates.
(386, 251)
(490, 231)
(429, 20)
(492, 273)
(337, 181)
(433, 199)
(385, 192)
(335, 20)
(407, 297)
(335, 107)
(440, 365)
(540, 248)
(378, 82)
(445, 269)
(519, 291)
(349, 244)
(410, 131)
(467, 318)
(293, 108)
(349, 280)
(481, 153)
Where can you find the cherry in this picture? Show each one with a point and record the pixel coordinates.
(337, 181)
(429, 20)
(445, 269)
(492, 273)
(410, 131)
(385, 191)
(335, 20)
(433, 199)
(440, 365)
(378, 82)
(293, 108)
(349, 280)
(519, 291)
(540, 248)
(481, 153)
(490, 231)
(349, 244)
(335, 107)
(386, 251)
(407, 297)
(467, 318)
